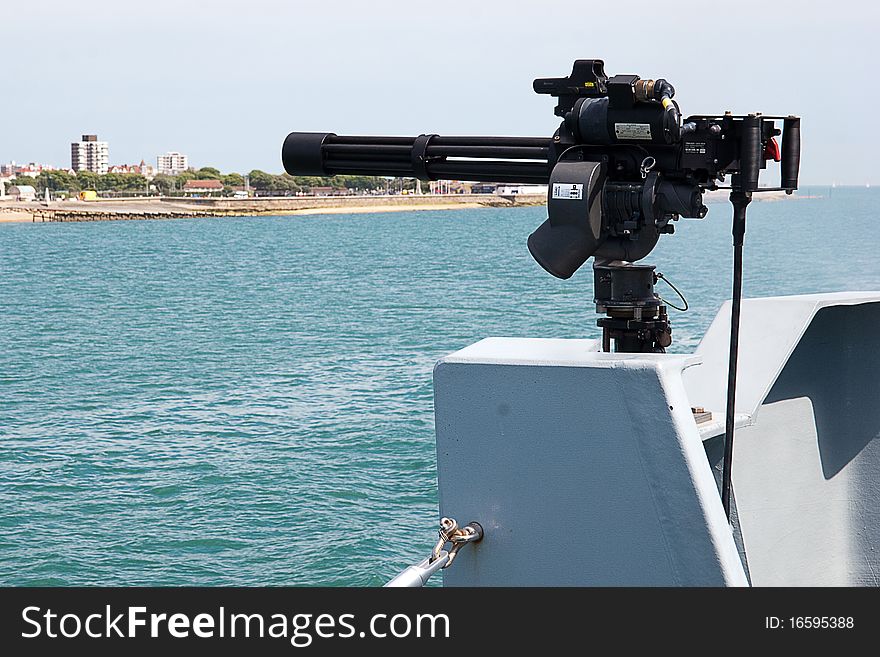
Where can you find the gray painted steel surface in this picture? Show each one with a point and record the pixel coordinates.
(588, 469)
(806, 469)
(583, 468)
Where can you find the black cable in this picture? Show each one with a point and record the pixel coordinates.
(677, 291)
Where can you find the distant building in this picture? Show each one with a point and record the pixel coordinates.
(172, 163)
(22, 193)
(513, 190)
(330, 191)
(90, 155)
(122, 168)
(31, 169)
(448, 187)
(148, 171)
(192, 187)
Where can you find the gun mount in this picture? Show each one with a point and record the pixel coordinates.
(620, 169)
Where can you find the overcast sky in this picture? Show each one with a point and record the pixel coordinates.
(224, 82)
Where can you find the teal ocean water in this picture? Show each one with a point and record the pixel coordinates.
(248, 401)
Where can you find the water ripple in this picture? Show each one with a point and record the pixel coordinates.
(241, 402)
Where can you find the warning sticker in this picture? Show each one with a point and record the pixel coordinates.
(573, 191)
(632, 130)
(695, 147)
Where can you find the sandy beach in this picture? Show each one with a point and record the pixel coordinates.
(11, 215)
(161, 208)
(176, 207)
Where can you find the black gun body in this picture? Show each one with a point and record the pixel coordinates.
(620, 167)
(701, 157)
(525, 160)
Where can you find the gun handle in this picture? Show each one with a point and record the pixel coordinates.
(791, 153)
(751, 153)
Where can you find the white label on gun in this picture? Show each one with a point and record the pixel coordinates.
(632, 130)
(573, 191)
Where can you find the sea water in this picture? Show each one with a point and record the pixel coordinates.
(247, 401)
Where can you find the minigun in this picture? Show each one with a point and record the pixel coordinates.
(620, 169)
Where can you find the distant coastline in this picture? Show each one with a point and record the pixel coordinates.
(178, 208)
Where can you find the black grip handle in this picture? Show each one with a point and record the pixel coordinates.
(791, 152)
(751, 153)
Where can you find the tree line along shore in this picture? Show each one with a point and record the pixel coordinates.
(131, 196)
(61, 183)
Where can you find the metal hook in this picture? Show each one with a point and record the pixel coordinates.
(418, 574)
(448, 527)
(450, 532)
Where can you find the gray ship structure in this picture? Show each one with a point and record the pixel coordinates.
(586, 468)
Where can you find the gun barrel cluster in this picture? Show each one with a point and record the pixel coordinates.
(427, 157)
